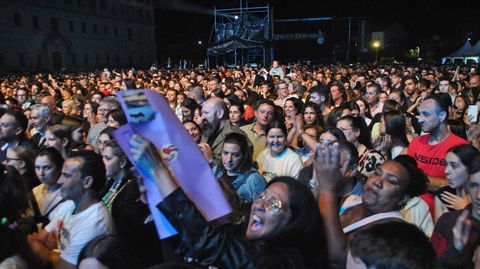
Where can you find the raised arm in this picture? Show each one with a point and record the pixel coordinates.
(327, 170)
(150, 162)
(299, 125)
(201, 240)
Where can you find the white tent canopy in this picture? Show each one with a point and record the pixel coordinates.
(473, 53)
(458, 54)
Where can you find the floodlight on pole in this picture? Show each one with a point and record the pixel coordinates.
(376, 44)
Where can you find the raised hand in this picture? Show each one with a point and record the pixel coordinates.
(298, 122)
(383, 143)
(149, 161)
(145, 154)
(327, 167)
(207, 151)
(453, 201)
(461, 231)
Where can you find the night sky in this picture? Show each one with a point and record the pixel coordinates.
(180, 24)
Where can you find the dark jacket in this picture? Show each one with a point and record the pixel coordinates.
(224, 246)
(129, 215)
(216, 143)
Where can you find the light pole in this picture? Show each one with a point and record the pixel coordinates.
(376, 44)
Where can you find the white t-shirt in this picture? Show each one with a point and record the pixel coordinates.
(75, 231)
(286, 164)
(14, 262)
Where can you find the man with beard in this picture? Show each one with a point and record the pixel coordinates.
(12, 132)
(411, 91)
(216, 125)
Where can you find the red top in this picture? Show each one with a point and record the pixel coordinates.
(431, 158)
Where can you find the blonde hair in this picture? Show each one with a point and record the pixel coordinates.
(72, 105)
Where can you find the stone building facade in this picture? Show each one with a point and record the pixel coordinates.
(75, 34)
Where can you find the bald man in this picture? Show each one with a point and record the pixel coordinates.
(50, 101)
(474, 81)
(216, 125)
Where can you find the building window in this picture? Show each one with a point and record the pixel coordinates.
(74, 59)
(115, 31)
(130, 59)
(84, 28)
(39, 60)
(93, 4)
(54, 24)
(149, 17)
(35, 22)
(71, 26)
(130, 34)
(17, 20)
(95, 30)
(21, 59)
(105, 30)
(103, 5)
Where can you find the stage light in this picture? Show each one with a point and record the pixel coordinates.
(235, 17)
(376, 44)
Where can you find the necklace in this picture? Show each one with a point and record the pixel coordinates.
(112, 193)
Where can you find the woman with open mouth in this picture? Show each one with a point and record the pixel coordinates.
(284, 230)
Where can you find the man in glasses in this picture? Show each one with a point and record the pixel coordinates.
(282, 92)
(24, 98)
(106, 105)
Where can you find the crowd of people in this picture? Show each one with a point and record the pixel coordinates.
(324, 166)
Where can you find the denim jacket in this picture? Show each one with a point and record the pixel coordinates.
(248, 184)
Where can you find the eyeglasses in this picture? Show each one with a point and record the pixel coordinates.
(272, 203)
(346, 129)
(7, 159)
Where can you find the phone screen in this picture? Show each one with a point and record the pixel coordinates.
(445, 189)
(472, 113)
